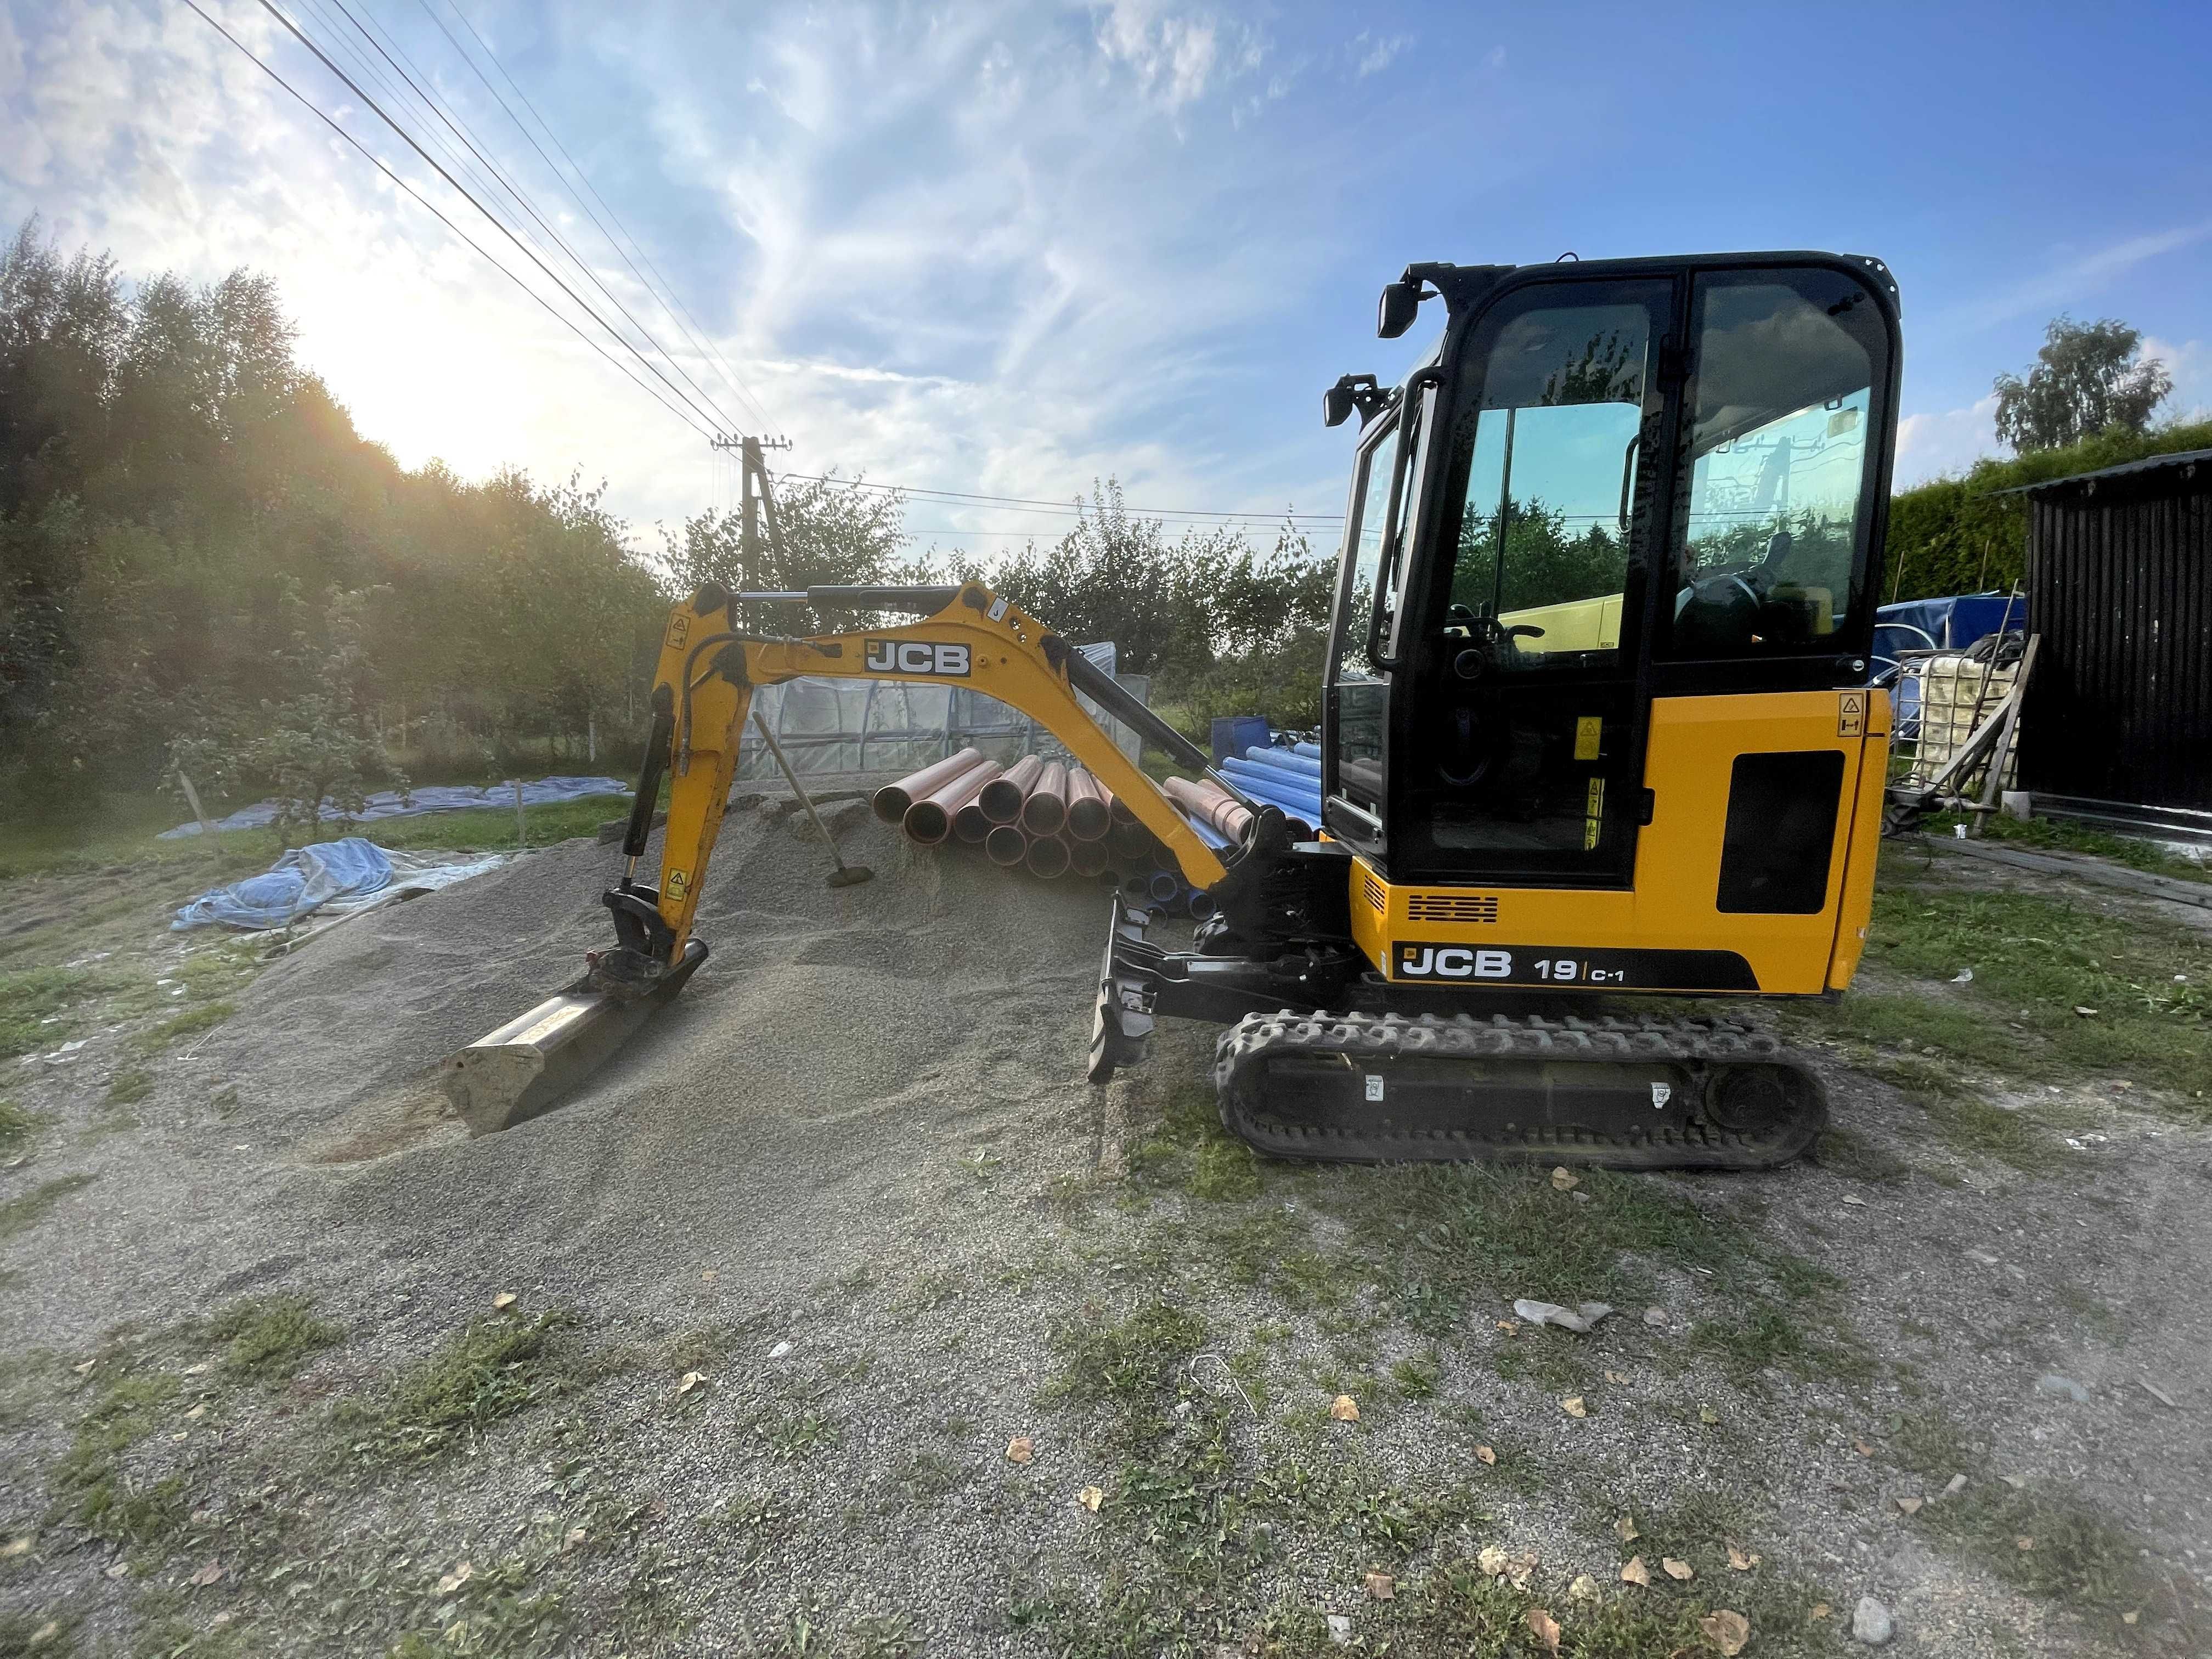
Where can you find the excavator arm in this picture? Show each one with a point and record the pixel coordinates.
(708, 670)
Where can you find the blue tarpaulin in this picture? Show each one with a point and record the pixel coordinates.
(1950, 624)
(434, 798)
(331, 876)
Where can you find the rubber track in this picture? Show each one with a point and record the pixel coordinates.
(1680, 1138)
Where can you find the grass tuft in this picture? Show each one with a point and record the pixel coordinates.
(1127, 1360)
(21, 1213)
(18, 1125)
(30, 996)
(493, 1370)
(268, 1338)
(191, 1023)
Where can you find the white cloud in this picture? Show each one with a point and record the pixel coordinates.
(1947, 442)
(2070, 282)
(1379, 54)
(1172, 56)
(951, 250)
(2190, 362)
(1934, 446)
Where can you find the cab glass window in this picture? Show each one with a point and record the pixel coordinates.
(1541, 564)
(1360, 697)
(1773, 526)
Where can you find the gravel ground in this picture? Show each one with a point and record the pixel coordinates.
(853, 1185)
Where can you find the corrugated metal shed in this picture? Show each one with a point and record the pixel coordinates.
(2120, 580)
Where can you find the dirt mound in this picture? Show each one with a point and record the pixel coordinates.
(816, 1001)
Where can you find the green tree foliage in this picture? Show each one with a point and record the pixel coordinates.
(1546, 563)
(828, 532)
(1221, 628)
(197, 549)
(2087, 380)
(1964, 535)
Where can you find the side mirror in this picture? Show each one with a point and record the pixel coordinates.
(1336, 405)
(1401, 304)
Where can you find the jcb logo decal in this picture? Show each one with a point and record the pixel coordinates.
(917, 657)
(1453, 962)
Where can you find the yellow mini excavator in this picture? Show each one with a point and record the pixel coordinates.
(1596, 723)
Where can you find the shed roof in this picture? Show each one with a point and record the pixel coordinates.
(2186, 460)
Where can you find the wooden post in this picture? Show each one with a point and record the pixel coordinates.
(521, 825)
(193, 800)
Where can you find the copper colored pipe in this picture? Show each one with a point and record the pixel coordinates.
(1133, 843)
(893, 798)
(1225, 816)
(1048, 857)
(970, 824)
(1046, 809)
(1087, 857)
(929, 820)
(1001, 799)
(1006, 845)
(1088, 815)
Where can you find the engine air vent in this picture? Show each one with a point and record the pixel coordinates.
(1452, 907)
(1373, 889)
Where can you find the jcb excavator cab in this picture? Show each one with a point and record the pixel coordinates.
(1603, 622)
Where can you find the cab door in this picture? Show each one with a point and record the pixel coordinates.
(1517, 749)
(1356, 687)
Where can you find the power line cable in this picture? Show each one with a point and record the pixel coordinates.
(471, 241)
(1033, 503)
(355, 87)
(517, 194)
(706, 348)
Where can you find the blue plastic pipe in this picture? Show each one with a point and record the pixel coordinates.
(1311, 751)
(1284, 760)
(1278, 788)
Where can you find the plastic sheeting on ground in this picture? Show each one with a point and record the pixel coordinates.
(331, 878)
(432, 798)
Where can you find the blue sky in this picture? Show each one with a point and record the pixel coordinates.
(1014, 248)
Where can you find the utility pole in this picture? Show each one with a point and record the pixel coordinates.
(755, 501)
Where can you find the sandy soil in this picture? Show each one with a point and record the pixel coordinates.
(863, 1134)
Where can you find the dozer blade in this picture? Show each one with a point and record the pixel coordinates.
(529, 1065)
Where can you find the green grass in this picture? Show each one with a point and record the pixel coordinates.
(89, 1485)
(268, 1338)
(20, 1214)
(29, 996)
(191, 1023)
(2080, 1556)
(1127, 1360)
(2035, 960)
(491, 1371)
(130, 1085)
(19, 1126)
(124, 832)
(2056, 835)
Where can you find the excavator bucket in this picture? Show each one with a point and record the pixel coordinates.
(531, 1063)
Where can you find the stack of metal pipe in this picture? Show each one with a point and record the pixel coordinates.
(1055, 820)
